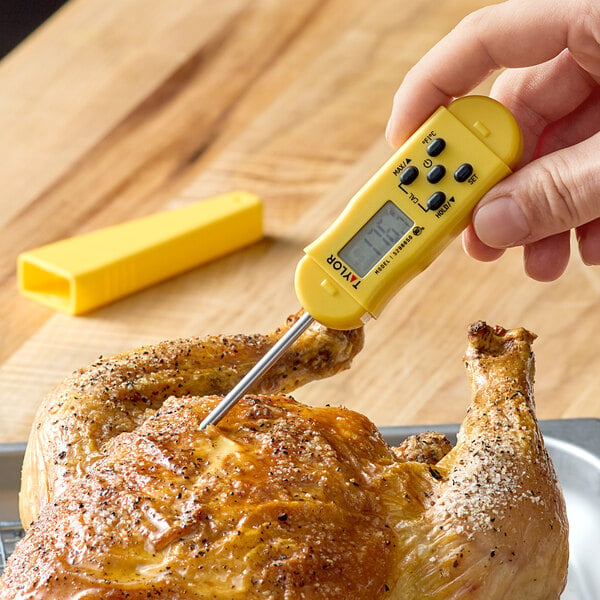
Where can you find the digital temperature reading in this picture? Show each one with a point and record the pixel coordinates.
(375, 238)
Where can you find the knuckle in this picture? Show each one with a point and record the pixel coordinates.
(556, 197)
(475, 19)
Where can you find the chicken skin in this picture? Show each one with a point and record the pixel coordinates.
(116, 394)
(286, 501)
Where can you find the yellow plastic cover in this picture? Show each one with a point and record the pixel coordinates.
(82, 273)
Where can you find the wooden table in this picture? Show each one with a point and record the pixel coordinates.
(113, 111)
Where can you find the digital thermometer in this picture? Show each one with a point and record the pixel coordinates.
(399, 221)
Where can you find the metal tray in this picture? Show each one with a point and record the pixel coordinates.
(573, 444)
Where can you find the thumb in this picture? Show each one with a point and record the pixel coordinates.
(550, 195)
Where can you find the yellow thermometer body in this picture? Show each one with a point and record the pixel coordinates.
(408, 212)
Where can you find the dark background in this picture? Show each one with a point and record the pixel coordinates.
(18, 18)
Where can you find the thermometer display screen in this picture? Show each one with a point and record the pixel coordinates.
(375, 238)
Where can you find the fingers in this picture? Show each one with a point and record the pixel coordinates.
(557, 105)
(547, 259)
(546, 94)
(477, 249)
(537, 207)
(553, 194)
(510, 34)
(572, 128)
(588, 239)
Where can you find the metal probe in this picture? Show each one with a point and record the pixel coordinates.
(258, 370)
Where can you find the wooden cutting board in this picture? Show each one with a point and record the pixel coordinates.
(113, 111)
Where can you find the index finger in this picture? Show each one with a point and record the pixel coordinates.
(515, 33)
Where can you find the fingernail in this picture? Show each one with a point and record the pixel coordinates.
(501, 223)
(388, 130)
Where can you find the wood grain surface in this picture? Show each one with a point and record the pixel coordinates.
(116, 110)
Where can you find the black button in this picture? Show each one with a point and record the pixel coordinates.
(409, 175)
(436, 146)
(436, 200)
(463, 172)
(436, 173)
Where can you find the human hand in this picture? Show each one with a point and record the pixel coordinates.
(551, 49)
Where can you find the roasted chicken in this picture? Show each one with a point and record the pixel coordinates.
(283, 500)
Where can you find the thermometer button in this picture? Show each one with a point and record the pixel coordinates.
(436, 174)
(436, 200)
(463, 172)
(409, 175)
(436, 147)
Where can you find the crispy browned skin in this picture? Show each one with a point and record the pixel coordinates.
(493, 523)
(277, 497)
(116, 394)
(427, 447)
(286, 501)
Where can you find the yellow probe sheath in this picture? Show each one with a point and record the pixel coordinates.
(79, 274)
